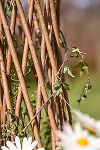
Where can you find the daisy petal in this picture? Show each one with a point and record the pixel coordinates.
(4, 148)
(78, 139)
(61, 135)
(33, 144)
(17, 141)
(67, 129)
(24, 144)
(27, 144)
(95, 142)
(29, 140)
(11, 146)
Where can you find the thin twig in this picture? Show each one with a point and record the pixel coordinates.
(39, 111)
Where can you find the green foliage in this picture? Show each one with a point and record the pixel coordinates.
(13, 125)
(45, 130)
(88, 86)
(83, 66)
(59, 148)
(91, 104)
(65, 86)
(86, 89)
(68, 70)
(58, 87)
(9, 6)
(75, 52)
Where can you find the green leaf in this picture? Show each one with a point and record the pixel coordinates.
(66, 86)
(65, 69)
(48, 85)
(68, 70)
(88, 87)
(58, 92)
(75, 52)
(75, 49)
(70, 73)
(9, 6)
(83, 66)
(58, 87)
(84, 97)
(79, 100)
(81, 73)
(59, 148)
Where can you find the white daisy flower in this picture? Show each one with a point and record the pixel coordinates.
(27, 144)
(77, 139)
(89, 123)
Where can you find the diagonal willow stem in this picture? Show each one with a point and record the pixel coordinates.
(38, 102)
(8, 65)
(58, 4)
(39, 93)
(12, 29)
(36, 64)
(24, 62)
(16, 62)
(58, 49)
(1, 107)
(1, 91)
(54, 23)
(4, 79)
(2, 111)
(46, 36)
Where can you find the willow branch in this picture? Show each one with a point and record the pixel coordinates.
(36, 63)
(1, 106)
(24, 62)
(43, 61)
(12, 29)
(58, 4)
(4, 79)
(16, 62)
(54, 22)
(38, 102)
(53, 139)
(46, 36)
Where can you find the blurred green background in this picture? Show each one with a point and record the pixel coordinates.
(90, 105)
(80, 24)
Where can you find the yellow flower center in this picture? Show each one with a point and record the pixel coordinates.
(82, 141)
